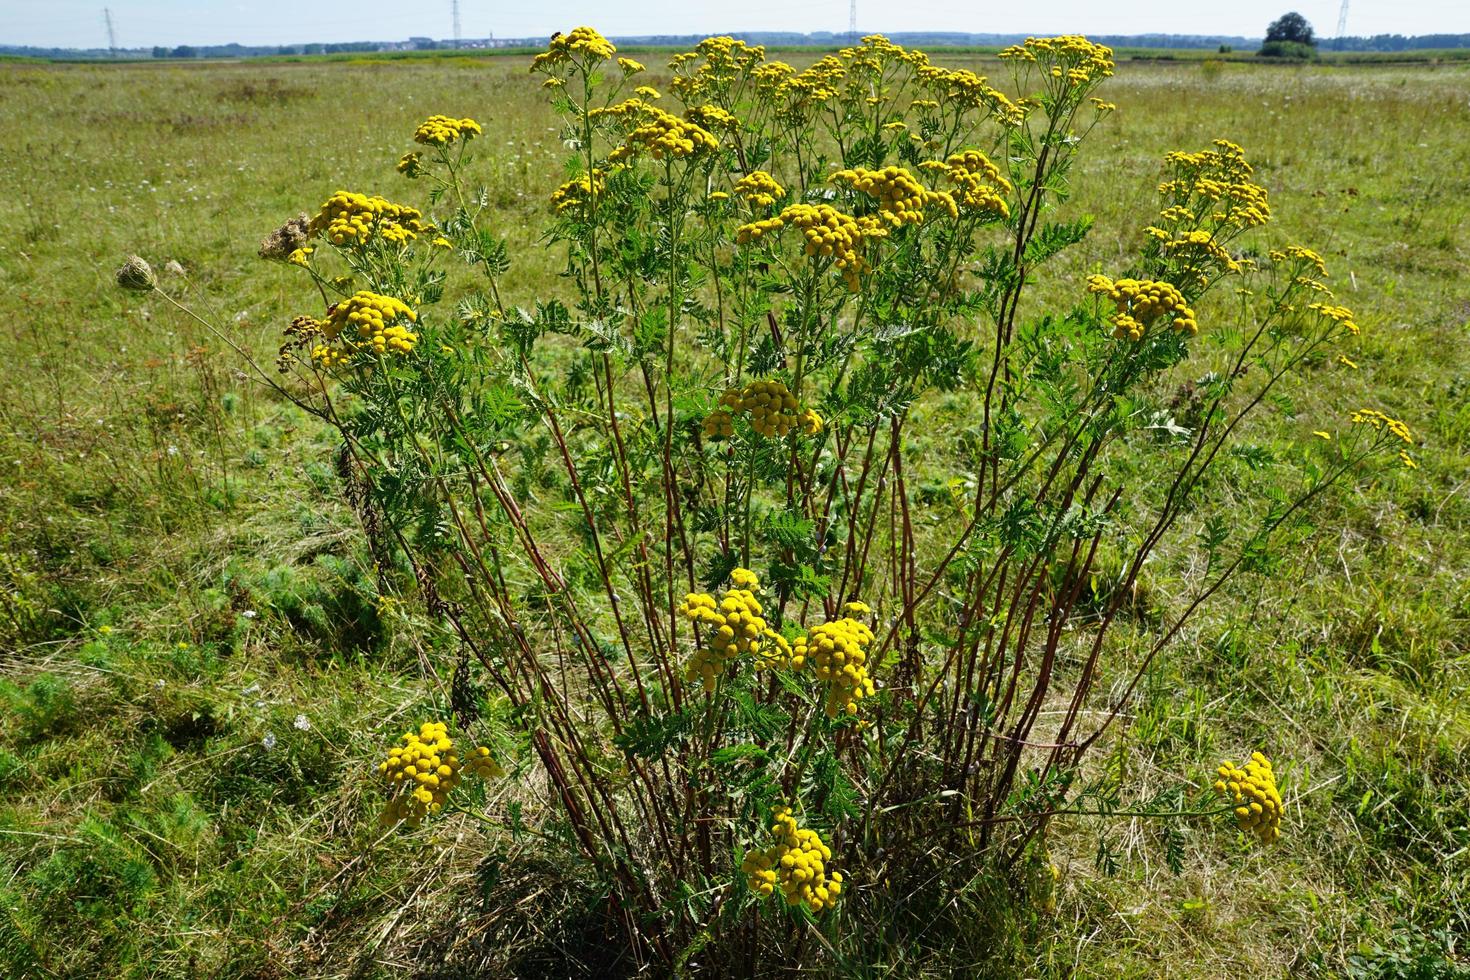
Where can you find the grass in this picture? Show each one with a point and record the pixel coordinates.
(180, 582)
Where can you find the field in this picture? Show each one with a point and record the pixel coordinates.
(197, 679)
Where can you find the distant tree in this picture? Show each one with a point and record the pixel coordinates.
(182, 51)
(1292, 27)
(160, 52)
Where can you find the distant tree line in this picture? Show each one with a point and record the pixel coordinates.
(1397, 42)
(255, 51)
(1378, 42)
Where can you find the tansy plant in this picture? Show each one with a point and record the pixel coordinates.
(681, 520)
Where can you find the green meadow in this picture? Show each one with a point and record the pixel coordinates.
(197, 678)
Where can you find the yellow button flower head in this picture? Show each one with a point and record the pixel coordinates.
(482, 763)
(713, 68)
(719, 424)
(828, 233)
(1139, 302)
(837, 652)
(582, 44)
(713, 118)
(1300, 254)
(443, 130)
(795, 864)
(736, 627)
(1340, 315)
(1215, 195)
(629, 66)
(1200, 244)
(1253, 791)
(1378, 420)
(963, 88)
(371, 323)
(410, 165)
(978, 182)
(754, 231)
(901, 198)
(1395, 428)
(772, 408)
(662, 134)
(576, 194)
(744, 578)
(329, 357)
(422, 771)
(1071, 58)
(351, 219)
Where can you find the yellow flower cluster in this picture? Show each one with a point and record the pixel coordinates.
(963, 88)
(759, 189)
(582, 43)
(771, 406)
(1396, 428)
(811, 422)
(422, 771)
(1139, 302)
(368, 321)
(901, 198)
(1070, 57)
(754, 231)
(1198, 242)
(1301, 254)
(796, 864)
(719, 424)
(411, 165)
(722, 62)
(663, 134)
(1340, 315)
(629, 66)
(828, 233)
(443, 130)
(1253, 791)
(979, 181)
(578, 192)
(307, 332)
(721, 71)
(1378, 420)
(1217, 183)
(712, 117)
(352, 219)
(837, 651)
(770, 79)
(736, 627)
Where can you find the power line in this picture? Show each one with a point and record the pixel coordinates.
(454, 4)
(852, 18)
(111, 35)
(1341, 26)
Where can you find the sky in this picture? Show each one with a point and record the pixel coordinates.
(146, 23)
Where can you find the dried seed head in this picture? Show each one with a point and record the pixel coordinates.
(135, 273)
(286, 239)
